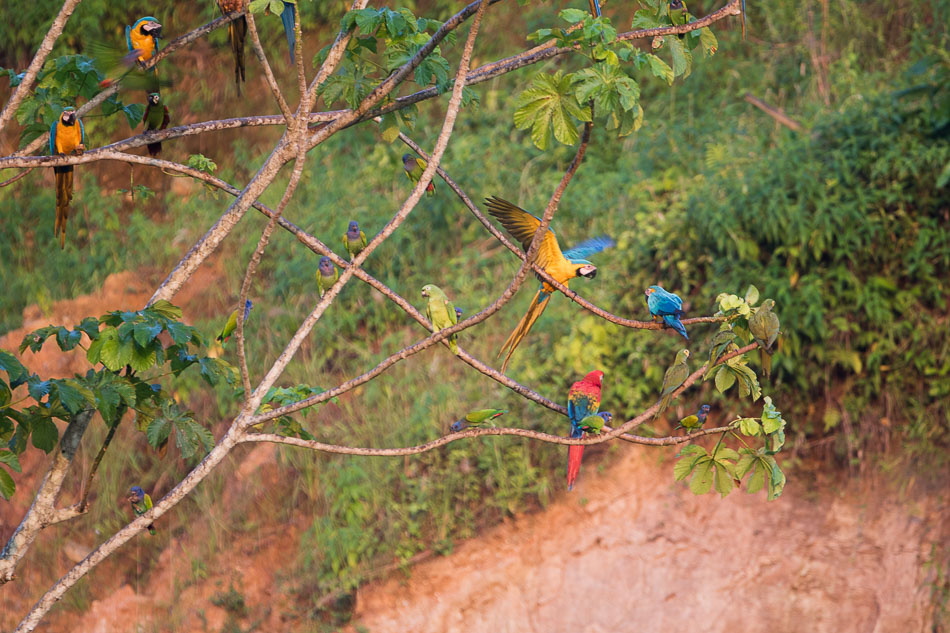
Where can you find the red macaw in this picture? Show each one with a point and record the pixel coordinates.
(582, 400)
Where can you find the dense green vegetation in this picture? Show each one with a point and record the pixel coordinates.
(846, 225)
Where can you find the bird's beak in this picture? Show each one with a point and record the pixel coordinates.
(425, 293)
(588, 271)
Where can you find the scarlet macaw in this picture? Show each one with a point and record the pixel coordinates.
(583, 400)
(66, 136)
(562, 266)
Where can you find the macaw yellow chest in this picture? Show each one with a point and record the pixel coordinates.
(144, 43)
(68, 138)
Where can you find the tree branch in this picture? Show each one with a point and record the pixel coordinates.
(268, 73)
(776, 113)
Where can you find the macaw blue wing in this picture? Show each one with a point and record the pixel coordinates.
(287, 17)
(128, 37)
(52, 138)
(595, 7)
(82, 131)
(589, 247)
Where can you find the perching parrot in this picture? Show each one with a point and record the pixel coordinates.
(143, 37)
(66, 136)
(764, 327)
(141, 503)
(667, 306)
(583, 400)
(327, 274)
(595, 423)
(354, 240)
(414, 167)
(231, 325)
(441, 312)
(155, 118)
(678, 14)
(237, 33)
(694, 422)
(675, 376)
(562, 266)
(477, 418)
(594, 8)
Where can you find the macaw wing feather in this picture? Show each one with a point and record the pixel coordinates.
(589, 247)
(522, 226)
(52, 138)
(287, 18)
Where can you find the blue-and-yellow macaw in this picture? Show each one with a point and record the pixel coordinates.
(231, 324)
(66, 136)
(666, 306)
(141, 503)
(583, 401)
(562, 266)
(143, 37)
(237, 33)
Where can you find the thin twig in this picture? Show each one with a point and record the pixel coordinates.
(268, 73)
(776, 113)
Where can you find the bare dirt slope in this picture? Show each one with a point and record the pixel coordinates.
(643, 554)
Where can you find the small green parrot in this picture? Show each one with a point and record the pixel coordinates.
(595, 423)
(231, 324)
(675, 376)
(155, 118)
(678, 14)
(764, 327)
(327, 274)
(414, 167)
(477, 418)
(141, 503)
(694, 422)
(354, 240)
(441, 312)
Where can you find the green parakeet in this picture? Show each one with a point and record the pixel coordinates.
(678, 14)
(595, 423)
(441, 312)
(764, 327)
(354, 240)
(693, 422)
(414, 167)
(327, 274)
(675, 376)
(141, 503)
(477, 418)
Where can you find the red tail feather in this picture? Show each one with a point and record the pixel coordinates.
(574, 455)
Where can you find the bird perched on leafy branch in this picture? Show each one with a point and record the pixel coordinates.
(414, 167)
(666, 306)
(155, 118)
(327, 274)
(694, 422)
(678, 14)
(441, 312)
(477, 418)
(675, 376)
(354, 240)
(583, 401)
(237, 34)
(231, 324)
(764, 327)
(141, 503)
(562, 266)
(66, 136)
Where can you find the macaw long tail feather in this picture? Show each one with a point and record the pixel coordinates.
(594, 7)
(64, 196)
(287, 17)
(574, 455)
(237, 32)
(674, 322)
(524, 326)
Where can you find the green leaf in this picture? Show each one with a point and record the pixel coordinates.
(707, 39)
(776, 480)
(258, 6)
(756, 482)
(550, 106)
(688, 460)
(7, 485)
(389, 127)
(67, 339)
(5, 395)
(14, 368)
(90, 325)
(682, 58)
(645, 19)
(145, 332)
(660, 69)
(724, 379)
(276, 7)
(702, 480)
(157, 431)
(10, 459)
(37, 388)
(165, 309)
(724, 481)
(752, 295)
(573, 16)
(45, 434)
(179, 332)
(142, 358)
(749, 427)
(72, 398)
